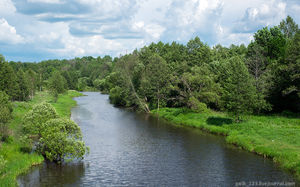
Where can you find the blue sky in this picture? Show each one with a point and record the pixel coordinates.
(35, 30)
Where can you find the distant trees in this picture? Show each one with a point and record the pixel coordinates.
(177, 75)
(56, 84)
(8, 79)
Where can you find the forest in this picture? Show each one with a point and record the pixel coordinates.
(262, 78)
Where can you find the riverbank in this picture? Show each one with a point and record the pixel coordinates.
(16, 161)
(272, 136)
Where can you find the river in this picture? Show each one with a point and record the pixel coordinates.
(130, 149)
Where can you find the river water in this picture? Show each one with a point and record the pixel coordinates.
(129, 149)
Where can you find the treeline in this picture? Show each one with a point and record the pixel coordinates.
(261, 77)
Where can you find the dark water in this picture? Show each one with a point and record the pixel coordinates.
(128, 149)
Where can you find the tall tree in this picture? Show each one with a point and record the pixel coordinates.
(257, 66)
(24, 92)
(239, 92)
(288, 27)
(198, 52)
(32, 79)
(155, 80)
(8, 79)
(56, 84)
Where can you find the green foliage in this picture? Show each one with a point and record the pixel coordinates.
(196, 105)
(35, 119)
(5, 115)
(2, 164)
(272, 41)
(56, 84)
(198, 52)
(238, 93)
(24, 87)
(61, 140)
(57, 139)
(82, 83)
(288, 27)
(8, 79)
(155, 81)
(116, 96)
(201, 84)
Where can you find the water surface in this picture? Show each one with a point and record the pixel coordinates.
(129, 149)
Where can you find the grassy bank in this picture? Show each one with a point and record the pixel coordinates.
(274, 136)
(16, 161)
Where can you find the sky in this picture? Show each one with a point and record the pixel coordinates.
(36, 30)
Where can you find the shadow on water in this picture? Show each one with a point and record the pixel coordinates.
(219, 121)
(65, 174)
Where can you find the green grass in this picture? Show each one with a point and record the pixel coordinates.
(271, 136)
(18, 162)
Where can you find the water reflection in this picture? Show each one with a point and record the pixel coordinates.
(49, 174)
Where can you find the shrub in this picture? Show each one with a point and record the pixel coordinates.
(61, 140)
(34, 120)
(116, 96)
(195, 105)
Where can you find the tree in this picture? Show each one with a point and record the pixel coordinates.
(127, 72)
(57, 84)
(293, 65)
(155, 81)
(5, 114)
(31, 82)
(257, 66)
(272, 41)
(239, 93)
(61, 141)
(8, 79)
(200, 83)
(288, 27)
(198, 52)
(23, 92)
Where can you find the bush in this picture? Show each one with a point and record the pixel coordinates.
(34, 120)
(55, 138)
(61, 140)
(116, 96)
(196, 106)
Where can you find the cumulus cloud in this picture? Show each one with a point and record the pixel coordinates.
(65, 29)
(7, 7)
(45, 1)
(266, 14)
(8, 33)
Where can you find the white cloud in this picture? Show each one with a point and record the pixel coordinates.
(8, 33)
(7, 7)
(45, 1)
(64, 29)
(268, 13)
